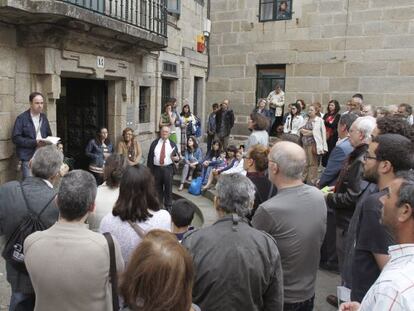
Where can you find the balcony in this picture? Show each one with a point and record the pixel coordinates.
(138, 22)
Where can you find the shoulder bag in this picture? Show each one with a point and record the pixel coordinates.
(141, 232)
(112, 271)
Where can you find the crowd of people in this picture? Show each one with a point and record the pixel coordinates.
(113, 238)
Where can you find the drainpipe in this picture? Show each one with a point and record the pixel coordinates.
(207, 42)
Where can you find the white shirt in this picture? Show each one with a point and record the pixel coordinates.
(106, 198)
(168, 152)
(48, 183)
(278, 101)
(296, 124)
(410, 119)
(341, 140)
(36, 122)
(236, 169)
(126, 236)
(394, 288)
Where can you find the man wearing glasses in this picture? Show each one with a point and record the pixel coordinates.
(367, 250)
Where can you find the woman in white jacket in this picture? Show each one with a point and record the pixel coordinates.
(294, 120)
(313, 135)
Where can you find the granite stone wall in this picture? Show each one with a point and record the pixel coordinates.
(331, 50)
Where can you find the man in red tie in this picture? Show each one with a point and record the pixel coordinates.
(161, 156)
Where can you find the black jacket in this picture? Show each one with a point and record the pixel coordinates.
(150, 160)
(13, 210)
(348, 187)
(227, 117)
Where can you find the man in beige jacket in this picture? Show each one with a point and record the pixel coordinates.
(67, 263)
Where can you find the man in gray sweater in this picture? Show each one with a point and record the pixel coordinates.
(296, 218)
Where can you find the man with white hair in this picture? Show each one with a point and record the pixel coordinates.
(18, 201)
(296, 218)
(350, 185)
(237, 268)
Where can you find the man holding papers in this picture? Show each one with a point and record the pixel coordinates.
(30, 130)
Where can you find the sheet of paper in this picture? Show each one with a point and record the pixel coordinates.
(51, 140)
(343, 293)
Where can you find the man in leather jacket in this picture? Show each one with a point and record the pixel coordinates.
(350, 184)
(237, 267)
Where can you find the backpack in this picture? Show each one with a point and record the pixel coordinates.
(13, 251)
(195, 186)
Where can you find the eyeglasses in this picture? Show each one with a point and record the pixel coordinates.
(367, 156)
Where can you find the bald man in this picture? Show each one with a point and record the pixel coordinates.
(296, 218)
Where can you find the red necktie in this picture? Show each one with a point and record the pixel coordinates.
(162, 154)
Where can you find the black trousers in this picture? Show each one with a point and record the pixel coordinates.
(163, 183)
(210, 139)
(328, 250)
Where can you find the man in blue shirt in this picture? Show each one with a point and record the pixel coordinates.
(29, 129)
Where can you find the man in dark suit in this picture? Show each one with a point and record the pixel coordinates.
(161, 156)
(29, 129)
(335, 163)
(35, 193)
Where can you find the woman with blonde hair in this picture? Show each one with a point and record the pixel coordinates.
(129, 147)
(159, 276)
(313, 136)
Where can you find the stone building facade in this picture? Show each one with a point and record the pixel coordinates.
(97, 64)
(327, 49)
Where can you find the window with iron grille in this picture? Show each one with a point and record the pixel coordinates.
(201, 2)
(170, 68)
(275, 10)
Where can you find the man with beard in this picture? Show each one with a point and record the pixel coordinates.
(367, 250)
(393, 290)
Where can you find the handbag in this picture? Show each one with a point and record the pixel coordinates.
(112, 271)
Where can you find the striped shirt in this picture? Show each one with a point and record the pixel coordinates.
(394, 288)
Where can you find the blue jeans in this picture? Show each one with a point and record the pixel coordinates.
(25, 169)
(205, 173)
(22, 302)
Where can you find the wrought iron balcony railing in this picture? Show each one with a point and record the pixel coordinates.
(149, 15)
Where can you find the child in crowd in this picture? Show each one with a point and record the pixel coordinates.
(230, 162)
(182, 214)
(237, 166)
(212, 160)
